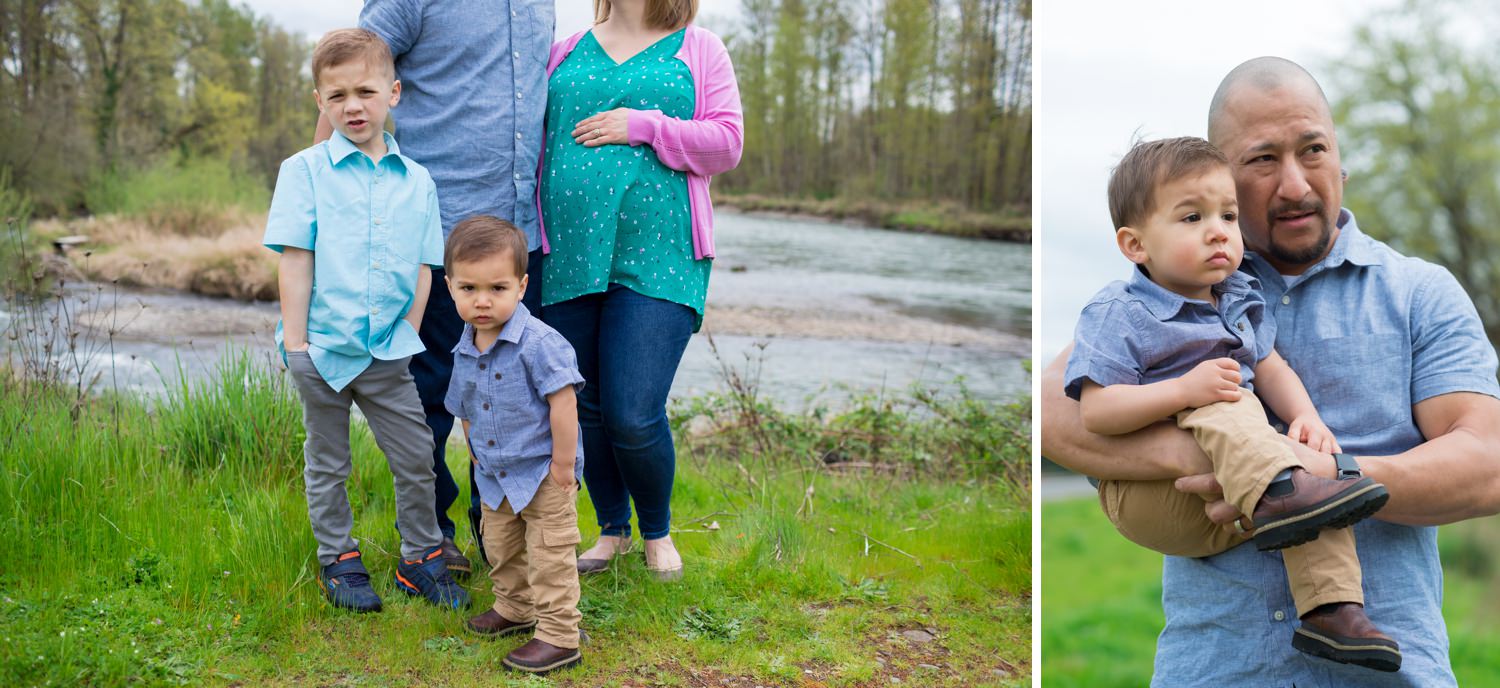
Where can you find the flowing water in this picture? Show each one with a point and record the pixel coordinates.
(807, 308)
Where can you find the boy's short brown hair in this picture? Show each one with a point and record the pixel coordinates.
(341, 46)
(1148, 166)
(482, 236)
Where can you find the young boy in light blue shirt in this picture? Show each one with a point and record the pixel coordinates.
(357, 227)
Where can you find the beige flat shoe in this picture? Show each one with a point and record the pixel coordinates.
(597, 558)
(662, 559)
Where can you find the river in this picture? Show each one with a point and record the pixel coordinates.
(812, 310)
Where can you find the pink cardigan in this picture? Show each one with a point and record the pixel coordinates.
(707, 144)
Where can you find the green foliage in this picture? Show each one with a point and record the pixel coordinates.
(154, 549)
(188, 197)
(1420, 136)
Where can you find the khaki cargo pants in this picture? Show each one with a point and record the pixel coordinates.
(534, 561)
(1247, 453)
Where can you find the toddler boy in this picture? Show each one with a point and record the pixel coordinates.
(356, 224)
(1184, 338)
(515, 383)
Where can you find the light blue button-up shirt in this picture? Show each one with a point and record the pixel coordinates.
(1139, 332)
(502, 392)
(371, 226)
(1370, 332)
(474, 93)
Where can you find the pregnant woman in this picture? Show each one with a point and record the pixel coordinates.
(641, 111)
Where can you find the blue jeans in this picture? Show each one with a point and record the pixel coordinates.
(628, 349)
(441, 328)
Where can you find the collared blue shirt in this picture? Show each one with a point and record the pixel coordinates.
(474, 93)
(502, 392)
(371, 226)
(1370, 332)
(1139, 332)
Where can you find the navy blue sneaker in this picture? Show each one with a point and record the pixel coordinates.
(346, 584)
(428, 578)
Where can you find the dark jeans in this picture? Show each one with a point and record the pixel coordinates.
(628, 349)
(441, 328)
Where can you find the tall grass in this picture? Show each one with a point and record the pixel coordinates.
(171, 546)
(187, 197)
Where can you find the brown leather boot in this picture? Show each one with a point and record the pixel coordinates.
(1341, 632)
(1312, 504)
(493, 625)
(540, 657)
(458, 564)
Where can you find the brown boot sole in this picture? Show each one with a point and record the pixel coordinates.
(566, 661)
(518, 628)
(1360, 501)
(1371, 653)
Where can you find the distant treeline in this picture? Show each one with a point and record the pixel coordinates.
(92, 91)
(852, 99)
(886, 99)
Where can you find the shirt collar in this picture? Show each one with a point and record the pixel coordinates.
(340, 147)
(510, 332)
(1163, 303)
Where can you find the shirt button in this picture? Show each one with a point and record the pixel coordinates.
(518, 176)
(502, 474)
(1285, 299)
(375, 265)
(375, 310)
(492, 443)
(497, 376)
(518, 95)
(518, 136)
(481, 366)
(1280, 428)
(1279, 615)
(486, 406)
(516, 54)
(1242, 327)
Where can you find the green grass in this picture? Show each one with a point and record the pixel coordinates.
(1101, 622)
(1011, 224)
(171, 546)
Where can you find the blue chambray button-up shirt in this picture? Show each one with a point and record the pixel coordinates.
(1370, 332)
(371, 226)
(474, 93)
(502, 392)
(1139, 332)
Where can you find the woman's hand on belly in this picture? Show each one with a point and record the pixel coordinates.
(610, 126)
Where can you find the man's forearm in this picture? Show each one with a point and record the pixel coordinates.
(1156, 452)
(1452, 477)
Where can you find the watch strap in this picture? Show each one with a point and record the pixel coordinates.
(1346, 467)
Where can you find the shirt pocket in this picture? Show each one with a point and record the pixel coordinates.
(408, 223)
(1360, 384)
(512, 391)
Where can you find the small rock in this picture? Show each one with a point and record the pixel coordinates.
(928, 666)
(880, 660)
(895, 680)
(918, 636)
(1000, 673)
(932, 630)
(713, 526)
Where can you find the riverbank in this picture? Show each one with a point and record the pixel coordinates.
(812, 545)
(908, 216)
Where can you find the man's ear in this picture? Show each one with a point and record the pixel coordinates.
(1129, 241)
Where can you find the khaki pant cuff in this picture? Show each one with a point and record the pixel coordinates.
(567, 641)
(513, 613)
(1304, 606)
(1247, 501)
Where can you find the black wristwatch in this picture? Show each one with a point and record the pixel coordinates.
(1347, 468)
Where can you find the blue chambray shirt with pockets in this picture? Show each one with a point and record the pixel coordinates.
(1370, 332)
(474, 93)
(1139, 332)
(502, 392)
(370, 226)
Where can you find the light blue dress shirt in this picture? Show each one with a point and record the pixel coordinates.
(474, 92)
(1370, 332)
(1139, 332)
(502, 392)
(370, 226)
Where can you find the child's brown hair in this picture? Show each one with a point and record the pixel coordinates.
(1148, 166)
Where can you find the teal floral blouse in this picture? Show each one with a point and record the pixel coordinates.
(614, 213)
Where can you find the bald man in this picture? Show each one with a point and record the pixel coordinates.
(1394, 357)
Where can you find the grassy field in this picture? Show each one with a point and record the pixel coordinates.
(1100, 622)
(170, 546)
(910, 216)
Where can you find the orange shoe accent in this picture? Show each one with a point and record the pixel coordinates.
(348, 555)
(435, 554)
(403, 580)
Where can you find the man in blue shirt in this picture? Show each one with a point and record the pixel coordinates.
(476, 91)
(1395, 359)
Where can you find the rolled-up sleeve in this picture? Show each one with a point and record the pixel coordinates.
(454, 400)
(397, 22)
(1105, 350)
(552, 365)
(1450, 352)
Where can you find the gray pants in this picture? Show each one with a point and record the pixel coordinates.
(387, 396)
